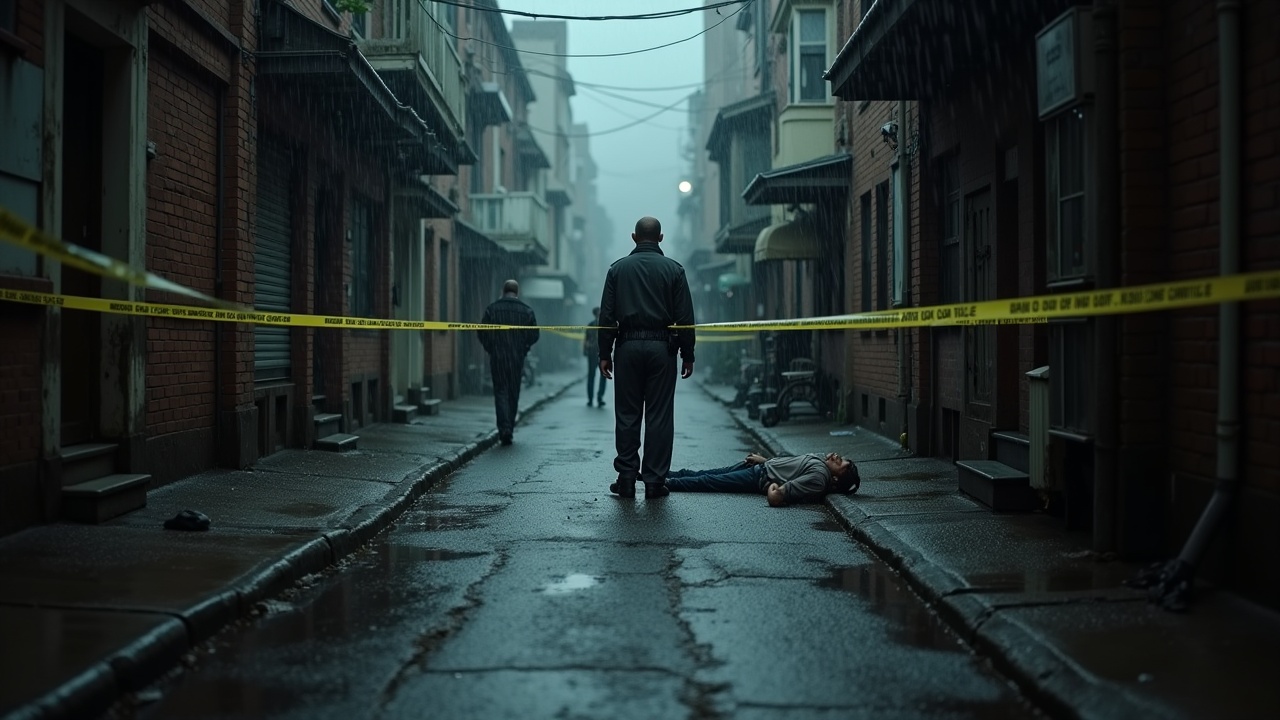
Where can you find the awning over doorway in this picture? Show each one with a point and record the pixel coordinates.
(787, 241)
(729, 281)
(911, 49)
(813, 181)
(473, 244)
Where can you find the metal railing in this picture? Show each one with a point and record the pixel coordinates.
(416, 27)
(507, 215)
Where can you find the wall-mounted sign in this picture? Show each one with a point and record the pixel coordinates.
(1064, 61)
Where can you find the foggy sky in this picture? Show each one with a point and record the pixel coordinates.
(640, 166)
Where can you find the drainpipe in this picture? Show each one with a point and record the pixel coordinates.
(1105, 406)
(219, 207)
(1171, 585)
(901, 196)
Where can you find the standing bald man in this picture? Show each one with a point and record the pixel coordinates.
(645, 293)
(507, 349)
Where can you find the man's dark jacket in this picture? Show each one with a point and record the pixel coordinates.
(509, 345)
(646, 290)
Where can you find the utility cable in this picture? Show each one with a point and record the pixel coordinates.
(704, 31)
(610, 130)
(551, 16)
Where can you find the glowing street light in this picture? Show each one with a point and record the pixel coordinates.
(686, 187)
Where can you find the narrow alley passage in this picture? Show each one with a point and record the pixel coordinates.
(519, 587)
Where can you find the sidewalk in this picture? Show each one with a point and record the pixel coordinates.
(1032, 597)
(88, 612)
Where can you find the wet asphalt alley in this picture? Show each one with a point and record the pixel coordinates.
(519, 587)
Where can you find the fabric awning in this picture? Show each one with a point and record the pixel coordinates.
(787, 241)
(819, 180)
(729, 281)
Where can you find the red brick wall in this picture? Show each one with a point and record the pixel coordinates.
(30, 29)
(181, 227)
(1192, 168)
(1261, 242)
(20, 383)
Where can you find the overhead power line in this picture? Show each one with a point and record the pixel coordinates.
(450, 33)
(645, 119)
(552, 16)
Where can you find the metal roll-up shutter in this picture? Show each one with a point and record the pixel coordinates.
(272, 260)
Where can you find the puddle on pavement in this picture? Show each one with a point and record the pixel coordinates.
(827, 525)
(886, 595)
(306, 509)
(438, 516)
(411, 553)
(1042, 581)
(570, 583)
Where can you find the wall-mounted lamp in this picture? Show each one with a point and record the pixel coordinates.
(889, 134)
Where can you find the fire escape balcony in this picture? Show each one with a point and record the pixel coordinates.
(517, 221)
(418, 61)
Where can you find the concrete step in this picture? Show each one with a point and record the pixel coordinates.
(429, 406)
(327, 423)
(996, 485)
(317, 402)
(337, 442)
(103, 498)
(87, 461)
(1011, 448)
(404, 413)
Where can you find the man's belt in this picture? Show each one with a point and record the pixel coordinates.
(662, 335)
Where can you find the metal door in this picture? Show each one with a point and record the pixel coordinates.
(272, 261)
(980, 285)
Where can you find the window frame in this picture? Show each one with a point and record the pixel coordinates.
(1080, 272)
(362, 251)
(950, 277)
(795, 53)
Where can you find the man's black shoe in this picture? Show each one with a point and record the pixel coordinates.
(505, 438)
(653, 491)
(600, 402)
(623, 488)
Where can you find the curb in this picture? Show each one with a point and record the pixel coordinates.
(140, 662)
(1055, 683)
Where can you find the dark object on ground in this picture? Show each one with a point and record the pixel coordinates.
(188, 520)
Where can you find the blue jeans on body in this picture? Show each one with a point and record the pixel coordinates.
(739, 478)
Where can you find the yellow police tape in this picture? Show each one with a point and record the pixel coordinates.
(17, 232)
(1014, 311)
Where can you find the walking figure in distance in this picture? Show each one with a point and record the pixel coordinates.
(785, 480)
(591, 350)
(645, 294)
(507, 349)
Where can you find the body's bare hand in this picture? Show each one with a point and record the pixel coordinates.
(686, 370)
(755, 459)
(776, 495)
(606, 369)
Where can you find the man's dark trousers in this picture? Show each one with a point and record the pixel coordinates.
(505, 372)
(644, 389)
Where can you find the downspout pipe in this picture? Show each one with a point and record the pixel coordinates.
(218, 227)
(1172, 586)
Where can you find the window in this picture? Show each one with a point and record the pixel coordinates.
(1071, 357)
(1065, 207)
(866, 252)
(443, 265)
(361, 258)
(445, 15)
(882, 246)
(949, 250)
(360, 24)
(809, 56)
